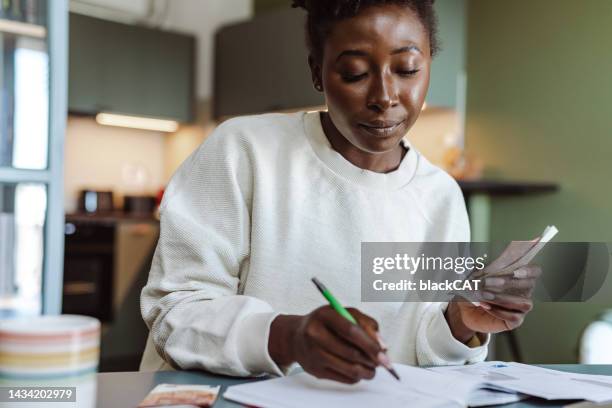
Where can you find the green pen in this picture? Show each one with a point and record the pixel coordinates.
(337, 306)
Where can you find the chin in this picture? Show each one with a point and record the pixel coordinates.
(377, 144)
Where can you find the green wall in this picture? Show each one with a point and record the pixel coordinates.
(539, 108)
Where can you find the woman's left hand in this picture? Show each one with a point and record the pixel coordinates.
(506, 300)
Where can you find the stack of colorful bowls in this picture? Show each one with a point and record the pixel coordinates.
(47, 347)
(50, 351)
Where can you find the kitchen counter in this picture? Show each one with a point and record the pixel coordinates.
(110, 217)
(106, 264)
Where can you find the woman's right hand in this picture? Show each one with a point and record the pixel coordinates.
(327, 345)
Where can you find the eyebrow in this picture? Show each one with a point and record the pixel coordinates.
(359, 53)
(406, 49)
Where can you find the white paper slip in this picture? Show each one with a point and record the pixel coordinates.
(516, 255)
(537, 381)
(486, 397)
(524, 259)
(546, 236)
(418, 388)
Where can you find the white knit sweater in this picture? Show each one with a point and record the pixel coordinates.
(262, 206)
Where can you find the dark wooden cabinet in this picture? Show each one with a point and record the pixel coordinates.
(261, 65)
(130, 69)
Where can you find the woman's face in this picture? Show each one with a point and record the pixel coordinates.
(375, 75)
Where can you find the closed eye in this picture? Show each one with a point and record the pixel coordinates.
(408, 73)
(353, 78)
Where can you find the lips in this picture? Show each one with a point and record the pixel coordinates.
(381, 128)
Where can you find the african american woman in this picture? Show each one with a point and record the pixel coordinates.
(269, 201)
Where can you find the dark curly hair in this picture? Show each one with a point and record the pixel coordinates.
(322, 14)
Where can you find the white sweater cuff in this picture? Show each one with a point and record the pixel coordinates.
(253, 333)
(448, 348)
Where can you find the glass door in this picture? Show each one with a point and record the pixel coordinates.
(33, 89)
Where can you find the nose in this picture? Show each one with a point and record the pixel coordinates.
(383, 93)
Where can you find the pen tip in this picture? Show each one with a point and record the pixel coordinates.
(394, 373)
(318, 284)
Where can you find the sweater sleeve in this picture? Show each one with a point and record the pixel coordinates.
(192, 303)
(435, 344)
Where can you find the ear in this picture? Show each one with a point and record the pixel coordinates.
(315, 72)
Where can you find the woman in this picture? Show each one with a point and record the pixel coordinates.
(269, 201)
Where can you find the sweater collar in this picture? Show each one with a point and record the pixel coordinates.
(342, 167)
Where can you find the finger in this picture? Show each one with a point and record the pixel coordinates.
(526, 293)
(368, 324)
(330, 374)
(508, 283)
(509, 302)
(512, 319)
(518, 287)
(363, 319)
(353, 372)
(339, 347)
(350, 332)
(528, 272)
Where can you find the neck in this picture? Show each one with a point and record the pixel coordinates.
(385, 162)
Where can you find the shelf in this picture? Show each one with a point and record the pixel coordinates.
(506, 188)
(20, 28)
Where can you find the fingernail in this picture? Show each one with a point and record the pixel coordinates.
(485, 306)
(381, 343)
(494, 282)
(520, 273)
(383, 359)
(488, 295)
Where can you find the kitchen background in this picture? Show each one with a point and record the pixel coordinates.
(518, 111)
